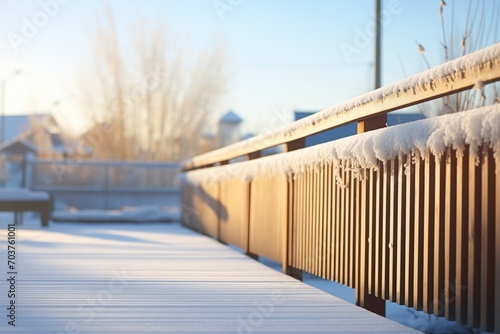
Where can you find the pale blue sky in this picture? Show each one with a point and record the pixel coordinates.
(283, 54)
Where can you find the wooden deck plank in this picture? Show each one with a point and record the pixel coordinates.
(164, 278)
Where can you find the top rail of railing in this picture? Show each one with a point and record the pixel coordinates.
(476, 69)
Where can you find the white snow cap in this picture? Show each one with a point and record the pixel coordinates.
(434, 135)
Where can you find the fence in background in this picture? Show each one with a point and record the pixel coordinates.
(409, 214)
(106, 185)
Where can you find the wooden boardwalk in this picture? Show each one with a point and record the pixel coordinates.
(160, 278)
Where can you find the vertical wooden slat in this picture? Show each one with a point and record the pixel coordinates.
(319, 221)
(303, 224)
(350, 260)
(357, 231)
(401, 230)
(371, 280)
(439, 252)
(410, 202)
(305, 208)
(314, 221)
(347, 223)
(384, 293)
(296, 220)
(338, 207)
(310, 216)
(342, 222)
(418, 292)
(428, 242)
(323, 226)
(474, 254)
(329, 220)
(392, 246)
(378, 229)
(450, 220)
(333, 223)
(462, 181)
(487, 240)
(497, 243)
(298, 193)
(303, 220)
(361, 284)
(293, 221)
(309, 220)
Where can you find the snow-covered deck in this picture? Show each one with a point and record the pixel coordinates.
(160, 278)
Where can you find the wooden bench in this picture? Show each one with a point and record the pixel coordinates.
(20, 200)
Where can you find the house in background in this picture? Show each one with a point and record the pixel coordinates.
(27, 136)
(351, 129)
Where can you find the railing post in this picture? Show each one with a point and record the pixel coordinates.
(372, 123)
(288, 221)
(254, 155)
(295, 145)
(287, 230)
(246, 227)
(364, 299)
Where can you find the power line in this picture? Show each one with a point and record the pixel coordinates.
(304, 65)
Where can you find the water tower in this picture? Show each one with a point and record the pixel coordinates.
(229, 128)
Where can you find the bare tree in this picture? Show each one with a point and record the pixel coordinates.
(480, 28)
(39, 134)
(149, 98)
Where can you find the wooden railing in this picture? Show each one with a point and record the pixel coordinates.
(105, 185)
(409, 214)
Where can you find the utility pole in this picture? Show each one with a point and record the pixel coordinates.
(2, 111)
(3, 83)
(378, 121)
(378, 42)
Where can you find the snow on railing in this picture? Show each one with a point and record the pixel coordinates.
(472, 128)
(476, 69)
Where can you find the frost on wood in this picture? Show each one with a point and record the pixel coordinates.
(473, 128)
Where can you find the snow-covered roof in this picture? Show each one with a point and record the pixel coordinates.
(17, 146)
(231, 117)
(14, 125)
(247, 136)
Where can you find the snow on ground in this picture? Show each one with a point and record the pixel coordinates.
(115, 235)
(140, 214)
(18, 194)
(160, 278)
